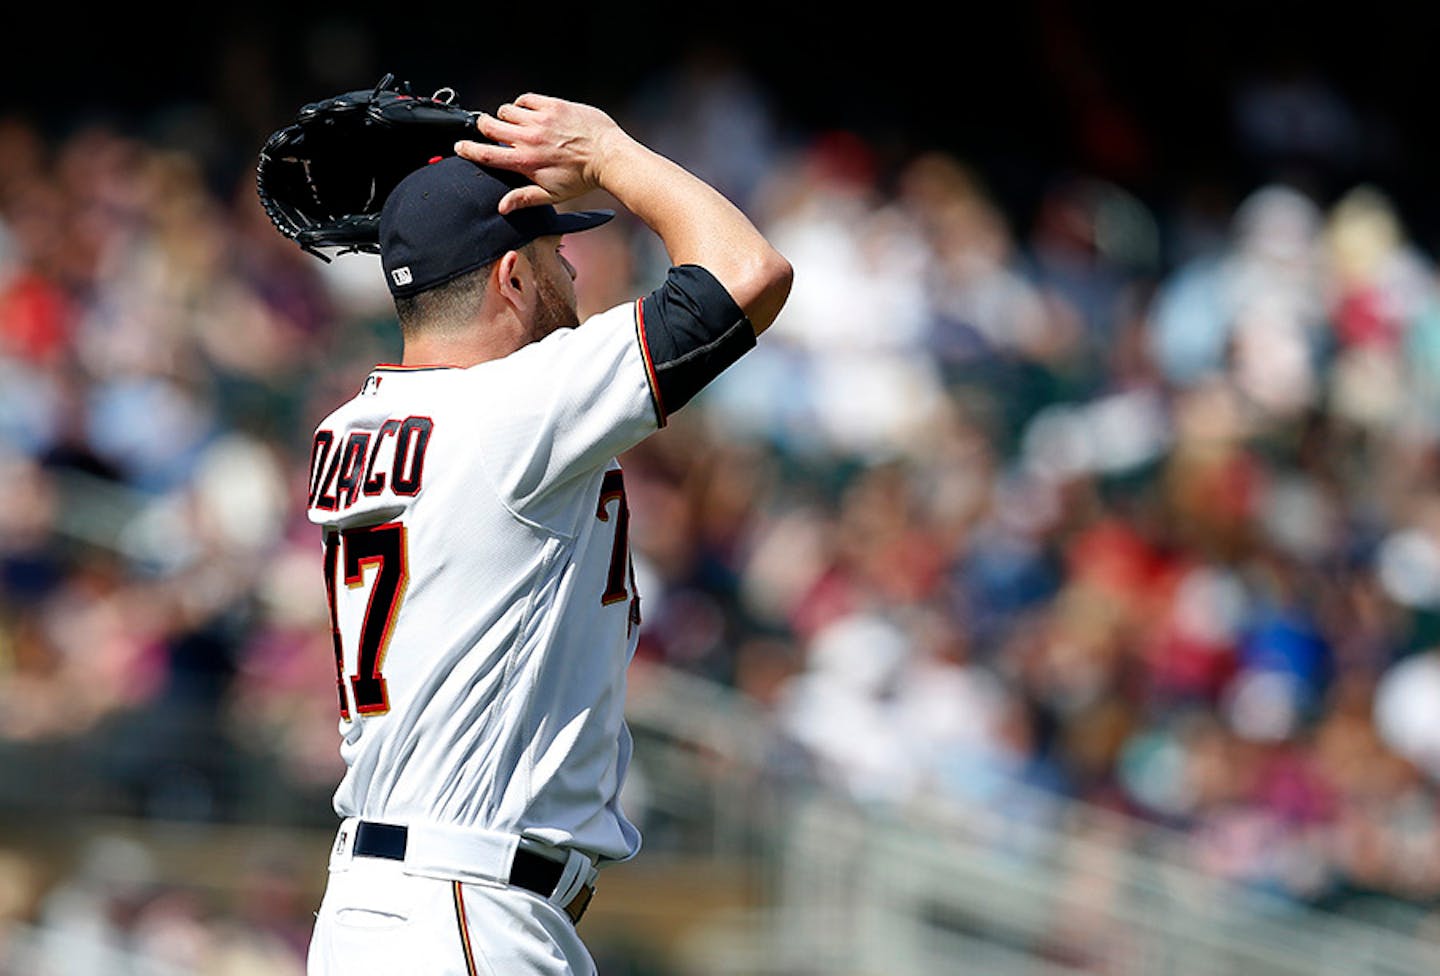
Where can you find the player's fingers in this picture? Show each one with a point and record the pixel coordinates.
(524, 196)
(485, 153)
(513, 112)
(496, 129)
(533, 101)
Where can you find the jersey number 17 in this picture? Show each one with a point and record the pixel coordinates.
(378, 556)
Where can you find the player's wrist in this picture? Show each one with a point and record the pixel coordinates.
(615, 153)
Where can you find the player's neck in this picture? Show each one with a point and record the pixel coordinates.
(482, 344)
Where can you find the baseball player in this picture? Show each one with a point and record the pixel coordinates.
(475, 523)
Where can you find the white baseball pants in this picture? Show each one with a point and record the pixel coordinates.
(378, 920)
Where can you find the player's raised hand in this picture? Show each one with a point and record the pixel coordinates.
(561, 146)
(568, 149)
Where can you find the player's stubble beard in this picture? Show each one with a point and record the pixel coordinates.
(553, 311)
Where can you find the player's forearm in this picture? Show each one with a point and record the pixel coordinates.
(568, 148)
(697, 225)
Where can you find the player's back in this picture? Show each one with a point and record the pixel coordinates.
(477, 566)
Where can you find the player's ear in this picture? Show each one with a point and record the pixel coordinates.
(510, 279)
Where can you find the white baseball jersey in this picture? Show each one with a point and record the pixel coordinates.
(479, 578)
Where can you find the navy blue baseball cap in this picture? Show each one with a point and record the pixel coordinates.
(443, 220)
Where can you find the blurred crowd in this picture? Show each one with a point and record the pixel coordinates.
(1120, 501)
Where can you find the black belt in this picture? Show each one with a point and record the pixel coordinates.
(531, 871)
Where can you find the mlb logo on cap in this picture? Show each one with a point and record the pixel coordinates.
(401, 276)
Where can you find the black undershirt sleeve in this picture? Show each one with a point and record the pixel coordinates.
(691, 331)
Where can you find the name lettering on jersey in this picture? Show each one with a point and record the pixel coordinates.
(375, 481)
(348, 483)
(410, 445)
(319, 451)
(340, 475)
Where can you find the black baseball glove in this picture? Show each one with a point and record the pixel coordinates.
(323, 178)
